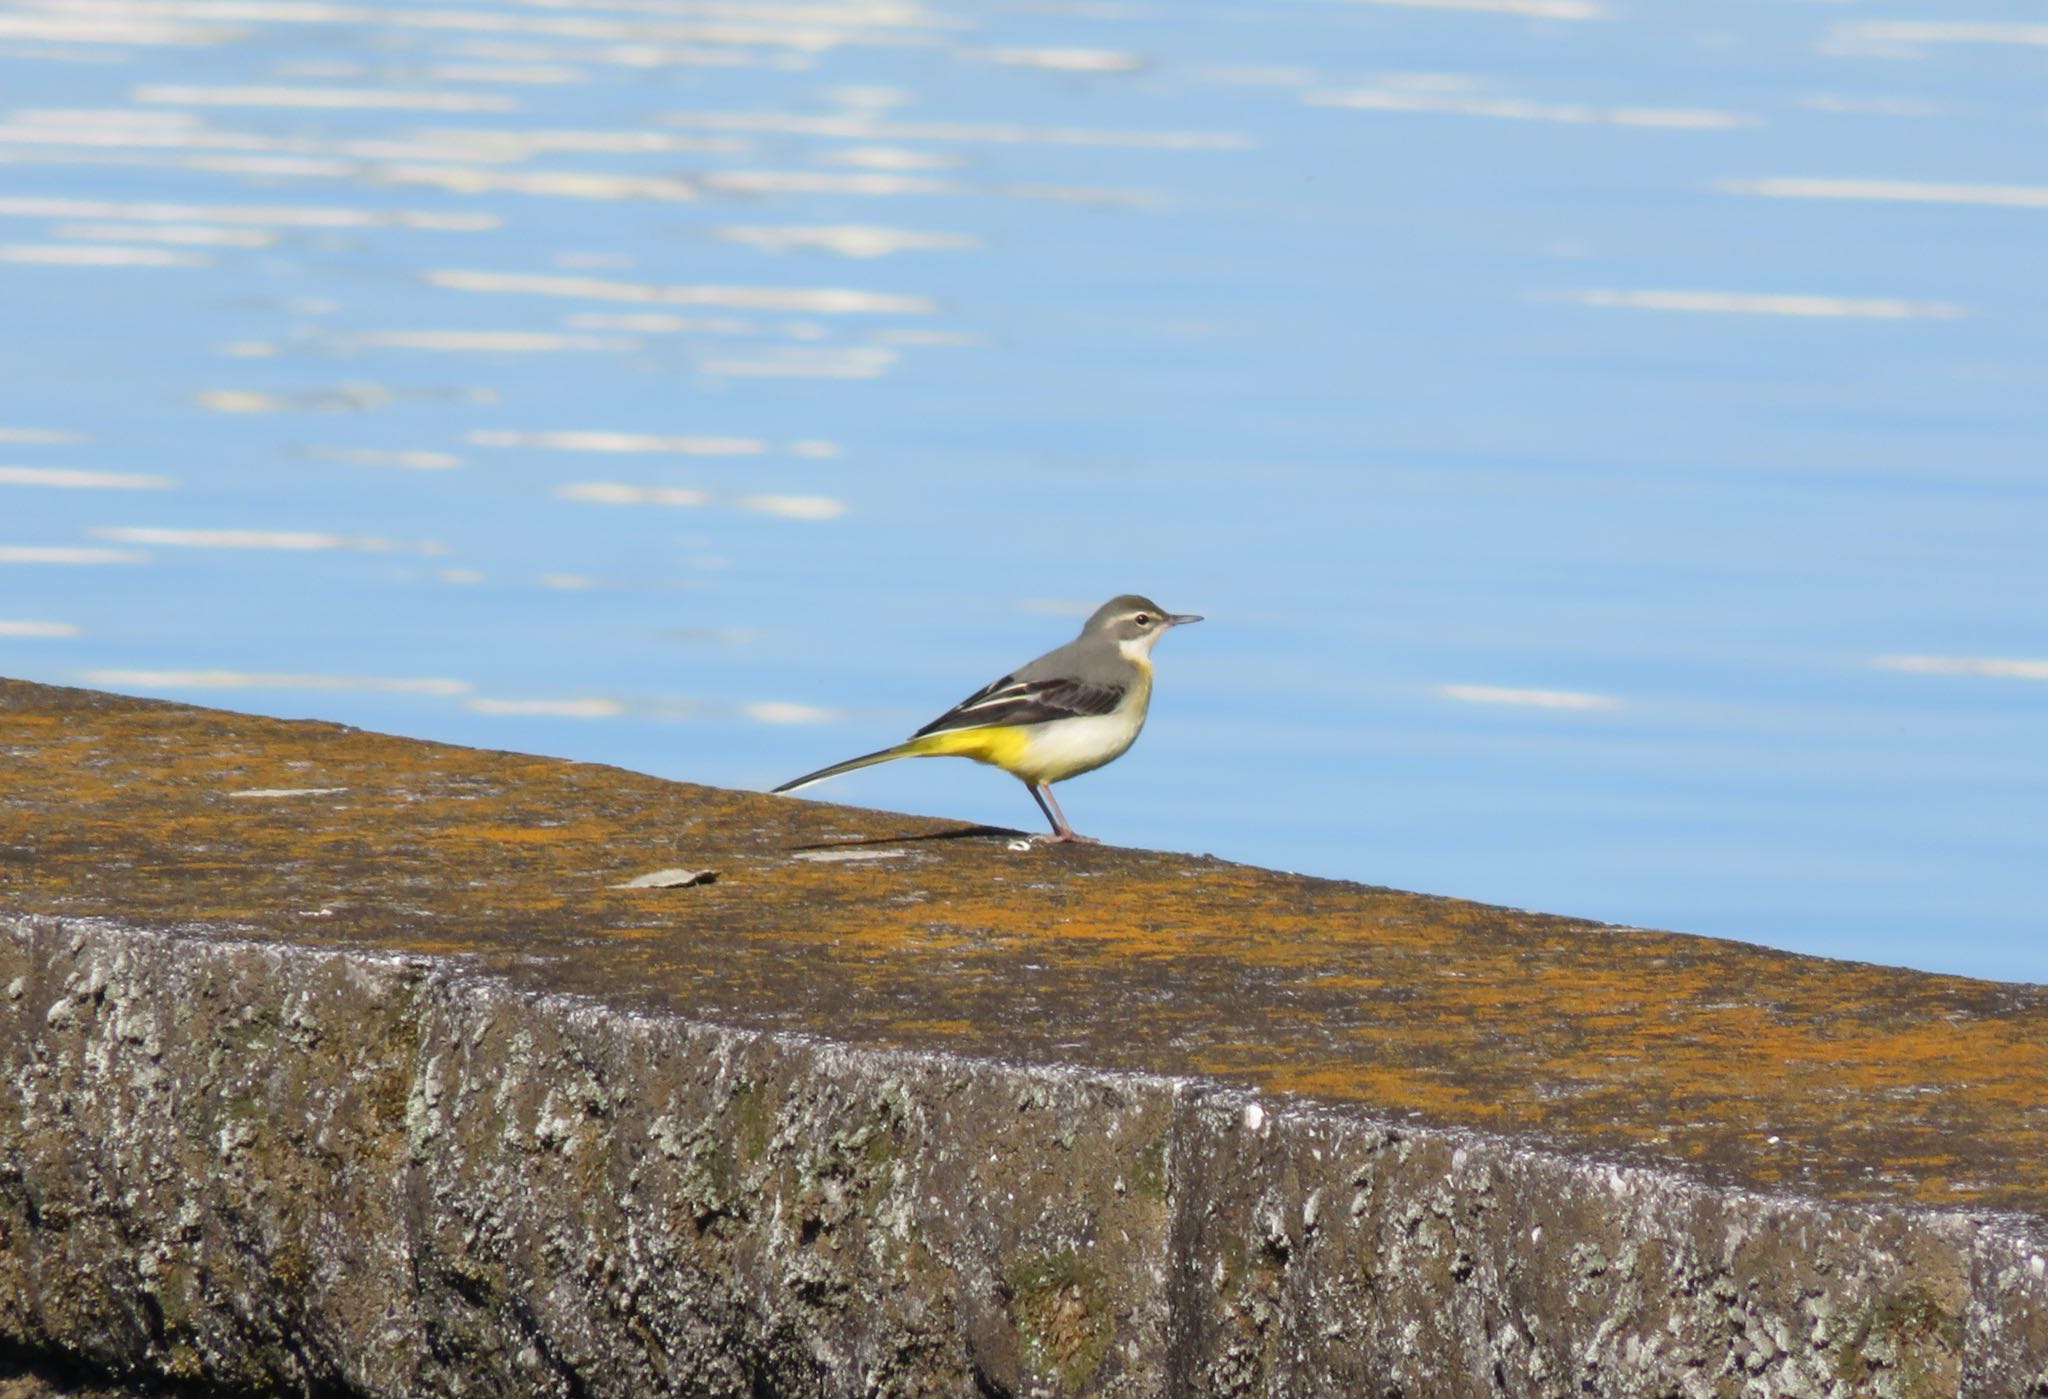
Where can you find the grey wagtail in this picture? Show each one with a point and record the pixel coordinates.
(1068, 712)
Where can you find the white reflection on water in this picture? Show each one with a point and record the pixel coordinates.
(597, 441)
(245, 401)
(1899, 191)
(107, 133)
(70, 479)
(822, 182)
(849, 240)
(416, 460)
(84, 28)
(569, 184)
(559, 709)
(520, 144)
(293, 216)
(794, 507)
(295, 540)
(269, 680)
(658, 323)
(336, 398)
(483, 341)
(619, 493)
(629, 55)
(167, 22)
(823, 300)
(783, 712)
(892, 158)
(605, 707)
(68, 554)
(99, 255)
(1528, 9)
(1966, 665)
(1532, 699)
(315, 12)
(840, 362)
(552, 75)
(1871, 106)
(1066, 60)
(197, 234)
(1389, 99)
(870, 128)
(789, 507)
(1937, 31)
(362, 99)
(1882, 308)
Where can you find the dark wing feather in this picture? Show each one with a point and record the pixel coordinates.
(1013, 701)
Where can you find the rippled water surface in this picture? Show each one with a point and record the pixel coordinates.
(1607, 439)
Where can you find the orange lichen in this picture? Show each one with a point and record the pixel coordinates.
(1876, 1083)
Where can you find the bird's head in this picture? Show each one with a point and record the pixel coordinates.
(1134, 623)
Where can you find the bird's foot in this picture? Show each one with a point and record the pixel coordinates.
(1067, 838)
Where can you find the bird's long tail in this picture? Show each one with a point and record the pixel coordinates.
(985, 743)
(911, 749)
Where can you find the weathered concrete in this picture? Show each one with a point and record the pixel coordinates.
(382, 1088)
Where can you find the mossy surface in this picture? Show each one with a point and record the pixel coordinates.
(1750, 1066)
(339, 1063)
(1061, 1306)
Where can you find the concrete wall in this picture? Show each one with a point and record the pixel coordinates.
(273, 1167)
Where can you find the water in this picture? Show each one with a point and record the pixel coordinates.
(1607, 440)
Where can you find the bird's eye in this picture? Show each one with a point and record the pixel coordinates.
(1143, 619)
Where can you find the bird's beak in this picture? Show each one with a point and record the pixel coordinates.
(1181, 619)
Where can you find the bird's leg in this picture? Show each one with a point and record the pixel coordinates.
(1061, 831)
(1043, 796)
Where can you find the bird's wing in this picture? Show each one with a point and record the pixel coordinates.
(1014, 701)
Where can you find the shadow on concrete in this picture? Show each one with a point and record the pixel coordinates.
(963, 833)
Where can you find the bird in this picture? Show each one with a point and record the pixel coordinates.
(1070, 711)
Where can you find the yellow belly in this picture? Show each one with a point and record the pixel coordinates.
(1002, 745)
(1038, 752)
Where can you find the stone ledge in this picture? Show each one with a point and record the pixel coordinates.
(382, 1088)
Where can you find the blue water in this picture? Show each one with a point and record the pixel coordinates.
(1607, 440)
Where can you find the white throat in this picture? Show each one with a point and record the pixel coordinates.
(1139, 648)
